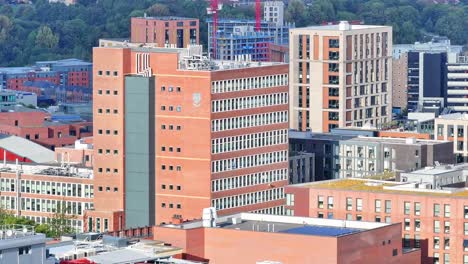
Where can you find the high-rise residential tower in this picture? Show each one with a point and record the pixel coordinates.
(176, 133)
(340, 76)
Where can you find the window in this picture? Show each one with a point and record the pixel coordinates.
(388, 220)
(320, 215)
(320, 202)
(377, 206)
(116, 92)
(100, 73)
(436, 226)
(447, 243)
(290, 199)
(436, 258)
(163, 205)
(358, 217)
(446, 258)
(465, 228)
(378, 219)
(395, 252)
(163, 186)
(417, 225)
(99, 92)
(417, 208)
(349, 217)
(100, 131)
(163, 108)
(407, 224)
(446, 227)
(178, 89)
(163, 127)
(407, 208)
(24, 250)
(116, 73)
(358, 204)
(406, 241)
(179, 206)
(330, 202)
(417, 241)
(436, 242)
(388, 206)
(107, 91)
(447, 210)
(436, 209)
(163, 88)
(349, 204)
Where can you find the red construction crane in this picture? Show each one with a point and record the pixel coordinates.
(258, 14)
(213, 10)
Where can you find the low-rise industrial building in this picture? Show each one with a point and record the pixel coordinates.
(20, 244)
(260, 238)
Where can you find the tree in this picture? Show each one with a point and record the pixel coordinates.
(5, 27)
(59, 221)
(45, 38)
(296, 12)
(158, 10)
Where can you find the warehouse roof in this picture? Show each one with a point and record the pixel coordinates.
(26, 148)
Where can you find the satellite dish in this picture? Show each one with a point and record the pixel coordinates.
(25, 230)
(9, 233)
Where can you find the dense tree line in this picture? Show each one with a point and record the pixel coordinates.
(44, 31)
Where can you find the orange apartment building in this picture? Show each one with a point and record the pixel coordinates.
(340, 76)
(173, 32)
(270, 239)
(435, 220)
(176, 133)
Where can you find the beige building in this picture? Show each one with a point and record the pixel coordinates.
(454, 127)
(400, 82)
(340, 75)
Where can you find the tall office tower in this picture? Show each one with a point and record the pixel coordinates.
(174, 32)
(427, 80)
(340, 76)
(176, 133)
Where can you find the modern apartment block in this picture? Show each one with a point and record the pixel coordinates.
(457, 84)
(250, 238)
(340, 75)
(237, 37)
(431, 205)
(174, 32)
(454, 127)
(176, 133)
(36, 191)
(273, 11)
(341, 155)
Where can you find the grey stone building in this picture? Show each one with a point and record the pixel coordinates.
(301, 167)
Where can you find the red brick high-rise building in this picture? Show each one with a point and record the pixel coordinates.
(174, 32)
(176, 133)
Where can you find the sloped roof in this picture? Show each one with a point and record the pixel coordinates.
(26, 148)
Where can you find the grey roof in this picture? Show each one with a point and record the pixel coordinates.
(26, 148)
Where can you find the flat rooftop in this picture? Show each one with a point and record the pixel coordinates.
(337, 27)
(286, 224)
(376, 186)
(192, 58)
(167, 18)
(454, 116)
(48, 170)
(404, 141)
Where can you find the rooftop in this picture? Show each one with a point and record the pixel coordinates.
(454, 116)
(26, 148)
(404, 141)
(63, 170)
(285, 224)
(192, 58)
(377, 186)
(342, 26)
(167, 18)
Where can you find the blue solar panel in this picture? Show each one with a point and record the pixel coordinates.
(321, 231)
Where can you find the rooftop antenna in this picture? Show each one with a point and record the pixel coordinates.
(213, 9)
